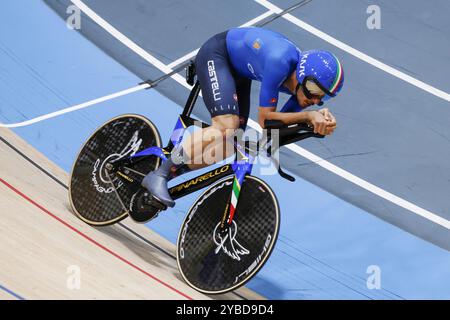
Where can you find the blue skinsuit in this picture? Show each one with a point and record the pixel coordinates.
(228, 62)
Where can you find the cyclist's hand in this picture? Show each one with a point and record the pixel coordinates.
(328, 116)
(319, 122)
(331, 120)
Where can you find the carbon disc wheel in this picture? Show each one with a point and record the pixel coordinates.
(213, 262)
(92, 193)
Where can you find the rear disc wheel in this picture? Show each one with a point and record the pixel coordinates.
(92, 191)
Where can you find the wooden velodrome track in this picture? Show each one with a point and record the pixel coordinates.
(41, 239)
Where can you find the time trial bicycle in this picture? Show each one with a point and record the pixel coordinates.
(231, 229)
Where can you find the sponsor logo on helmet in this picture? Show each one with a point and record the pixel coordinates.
(302, 65)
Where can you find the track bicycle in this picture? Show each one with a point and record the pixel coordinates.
(231, 229)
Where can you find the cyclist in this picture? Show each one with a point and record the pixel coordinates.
(226, 64)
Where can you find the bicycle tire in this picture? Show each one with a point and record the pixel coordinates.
(257, 216)
(92, 197)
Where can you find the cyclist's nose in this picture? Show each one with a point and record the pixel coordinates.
(317, 101)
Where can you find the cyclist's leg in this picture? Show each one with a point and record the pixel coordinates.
(220, 88)
(213, 144)
(219, 93)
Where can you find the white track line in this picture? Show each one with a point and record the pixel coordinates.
(193, 53)
(77, 107)
(127, 42)
(142, 53)
(362, 183)
(300, 151)
(370, 187)
(358, 54)
(183, 59)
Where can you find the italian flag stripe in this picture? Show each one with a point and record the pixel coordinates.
(338, 78)
(236, 184)
(234, 198)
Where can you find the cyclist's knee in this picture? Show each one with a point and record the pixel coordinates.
(226, 125)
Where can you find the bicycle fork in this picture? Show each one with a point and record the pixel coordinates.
(241, 168)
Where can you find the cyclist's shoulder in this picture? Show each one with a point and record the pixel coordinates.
(255, 32)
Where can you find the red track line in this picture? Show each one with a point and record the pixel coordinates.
(92, 240)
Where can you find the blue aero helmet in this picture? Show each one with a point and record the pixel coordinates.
(319, 73)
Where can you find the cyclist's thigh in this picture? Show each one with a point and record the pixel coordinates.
(216, 79)
(226, 121)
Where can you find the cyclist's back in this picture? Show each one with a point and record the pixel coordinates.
(263, 55)
(256, 47)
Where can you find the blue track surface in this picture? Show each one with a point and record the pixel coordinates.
(391, 133)
(326, 244)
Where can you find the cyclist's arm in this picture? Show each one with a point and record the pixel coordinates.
(269, 113)
(316, 118)
(277, 67)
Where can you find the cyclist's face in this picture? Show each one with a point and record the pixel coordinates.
(304, 102)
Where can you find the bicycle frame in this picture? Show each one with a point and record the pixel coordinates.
(240, 168)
